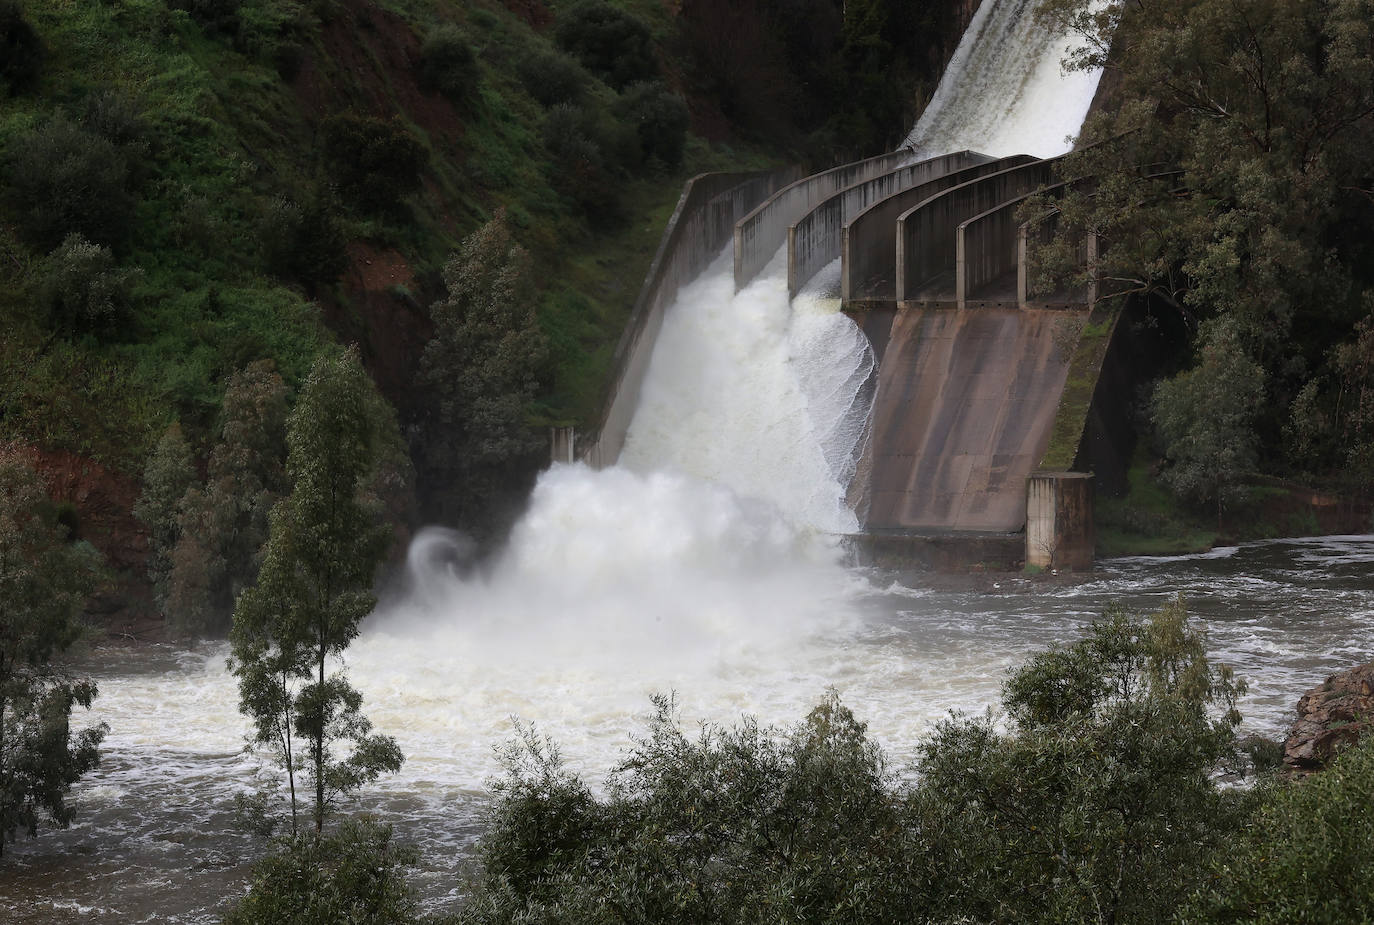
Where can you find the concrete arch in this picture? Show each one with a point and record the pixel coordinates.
(927, 233)
(817, 238)
(869, 239)
(759, 234)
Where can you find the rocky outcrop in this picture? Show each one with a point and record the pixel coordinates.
(1331, 717)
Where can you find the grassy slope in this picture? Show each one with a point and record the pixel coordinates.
(227, 134)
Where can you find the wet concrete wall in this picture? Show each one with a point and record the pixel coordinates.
(869, 238)
(815, 239)
(926, 234)
(987, 248)
(759, 234)
(699, 228)
(962, 415)
(1059, 521)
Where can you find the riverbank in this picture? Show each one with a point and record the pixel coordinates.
(1148, 520)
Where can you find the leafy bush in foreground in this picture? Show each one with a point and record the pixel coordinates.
(1098, 802)
(356, 875)
(447, 63)
(1304, 856)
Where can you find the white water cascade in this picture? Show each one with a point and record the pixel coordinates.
(705, 563)
(1005, 91)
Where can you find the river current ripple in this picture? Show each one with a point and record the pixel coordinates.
(155, 841)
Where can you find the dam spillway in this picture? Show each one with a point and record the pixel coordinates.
(954, 412)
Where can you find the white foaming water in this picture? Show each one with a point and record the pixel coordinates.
(706, 562)
(749, 391)
(1004, 91)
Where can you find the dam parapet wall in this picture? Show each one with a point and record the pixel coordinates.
(700, 227)
(817, 238)
(760, 233)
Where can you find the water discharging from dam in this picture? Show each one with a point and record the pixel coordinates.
(1005, 91)
(706, 563)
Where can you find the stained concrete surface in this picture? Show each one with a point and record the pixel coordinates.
(962, 416)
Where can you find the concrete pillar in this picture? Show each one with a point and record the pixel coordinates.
(1059, 521)
(1023, 265)
(562, 443)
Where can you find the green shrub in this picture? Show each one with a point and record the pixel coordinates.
(578, 139)
(116, 117)
(86, 293)
(448, 64)
(609, 42)
(568, 132)
(21, 50)
(375, 162)
(303, 241)
(660, 121)
(218, 18)
(1305, 855)
(64, 178)
(356, 875)
(551, 76)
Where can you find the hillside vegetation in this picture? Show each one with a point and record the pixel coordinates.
(194, 186)
(1234, 189)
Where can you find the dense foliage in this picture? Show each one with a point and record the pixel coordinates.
(1234, 179)
(1303, 856)
(1092, 798)
(44, 582)
(222, 524)
(355, 875)
(480, 371)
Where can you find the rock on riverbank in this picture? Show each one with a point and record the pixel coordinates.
(1331, 717)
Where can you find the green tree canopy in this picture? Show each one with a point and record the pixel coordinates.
(1234, 174)
(223, 524)
(44, 583)
(1099, 803)
(168, 474)
(480, 372)
(1304, 856)
(609, 42)
(1206, 416)
(324, 548)
(354, 876)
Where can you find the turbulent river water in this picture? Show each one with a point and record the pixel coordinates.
(707, 563)
(154, 839)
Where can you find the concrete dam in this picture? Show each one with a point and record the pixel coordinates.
(938, 437)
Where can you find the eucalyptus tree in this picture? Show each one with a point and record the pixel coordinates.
(44, 583)
(325, 544)
(1206, 416)
(168, 474)
(223, 523)
(1234, 177)
(480, 372)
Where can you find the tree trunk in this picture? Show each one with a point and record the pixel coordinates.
(319, 748)
(290, 763)
(4, 774)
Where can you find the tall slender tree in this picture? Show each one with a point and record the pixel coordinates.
(480, 372)
(223, 525)
(44, 582)
(315, 587)
(169, 473)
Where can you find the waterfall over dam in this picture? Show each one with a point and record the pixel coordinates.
(934, 418)
(704, 561)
